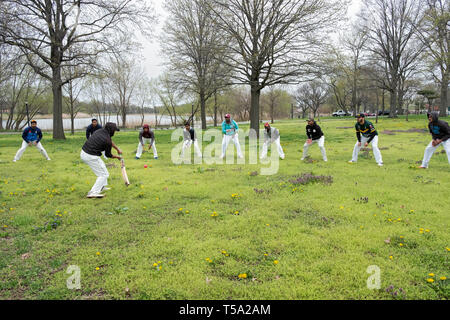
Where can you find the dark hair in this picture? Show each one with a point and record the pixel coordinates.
(33, 121)
(94, 120)
(187, 123)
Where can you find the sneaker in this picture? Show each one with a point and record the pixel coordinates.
(325, 160)
(137, 158)
(302, 159)
(156, 158)
(351, 161)
(106, 188)
(422, 167)
(14, 160)
(380, 164)
(241, 157)
(48, 159)
(93, 195)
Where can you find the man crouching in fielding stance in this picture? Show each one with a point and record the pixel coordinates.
(271, 135)
(190, 137)
(146, 136)
(440, 131)
(369, 135)
(229, 130)
(315, 135)
(91, 152)
(31, 136)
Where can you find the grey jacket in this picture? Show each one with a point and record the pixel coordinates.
(189, 135)
(147, 135)
(272, 135)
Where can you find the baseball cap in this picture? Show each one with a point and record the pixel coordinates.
(146, 126)
(227, 115)
(266, 124)
(361, 115)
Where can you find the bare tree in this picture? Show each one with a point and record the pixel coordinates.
(45, 30)
(168, 93)
(435, 35)
(273, 41)
(72, 90)
(312, 96)
(272, 100)
(391, 28)
(194, 48)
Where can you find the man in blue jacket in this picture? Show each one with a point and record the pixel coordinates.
(31, 136)
(229, 130)
(94, 126)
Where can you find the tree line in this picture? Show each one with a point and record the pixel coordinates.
(256, 58)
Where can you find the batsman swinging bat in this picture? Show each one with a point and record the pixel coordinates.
(124, 173)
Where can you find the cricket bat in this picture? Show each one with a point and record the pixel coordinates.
(124, 173)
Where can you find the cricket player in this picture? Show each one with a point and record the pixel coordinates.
(146, 136)
(31, 136)
(190, 137)
(91, 152)
(271, 135)
(94, 126)
(440, 132)
(366, 133)
(315, 135)
(229, 130)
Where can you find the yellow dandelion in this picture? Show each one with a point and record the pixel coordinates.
(427, 230)
(443, 278)
(431, 274)
(275, 262)
(447, 248)
(421, 232)
(155, 264)
(411, 211)
(401, 244)
(421, 229)
(97, 268)
(265, 254)
(187, 211)
(181, 209)
(401, 237)
(430, 280)
(242, 276)
(341, 207)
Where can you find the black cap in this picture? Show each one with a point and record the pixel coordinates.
(361, 115)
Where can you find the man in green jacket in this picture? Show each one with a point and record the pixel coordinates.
(366, 133)
(229, 130)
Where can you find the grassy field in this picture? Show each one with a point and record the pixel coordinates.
(204, 232)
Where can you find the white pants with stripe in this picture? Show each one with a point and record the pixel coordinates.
(268, 143)
(187, 145)
(321, 143)
(140, 148)
(25, 146)
(376, 151)
(99, 168)
(226, 140)
(429, 150)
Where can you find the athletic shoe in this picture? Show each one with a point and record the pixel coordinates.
(421, 167)
(352, 162)
(98, 195)
(241, 157)
(380, 164)
(14, 160)
(156, 158)
(325, 160)
(302, 159)
(49, 159)
(106, 188)
(137, 158)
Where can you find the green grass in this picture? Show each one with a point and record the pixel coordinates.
(323, 238)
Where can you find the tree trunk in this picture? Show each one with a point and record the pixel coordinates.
(254, 109)
(202, 109)
(215, 109)
(272, 107)
(444, 94)
(393, 106)
(72, 123)
(58, 128)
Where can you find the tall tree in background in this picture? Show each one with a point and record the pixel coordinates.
(312, 96)
(45, 30)
(391, 26)
(194, 49)
(435, 35)
(274, 41)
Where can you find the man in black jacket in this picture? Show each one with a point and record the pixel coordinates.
(90, 154)
(315, 135)
(146, 136)
(440, 132)
(94, 126)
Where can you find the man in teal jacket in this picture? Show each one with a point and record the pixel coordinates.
(229, 130)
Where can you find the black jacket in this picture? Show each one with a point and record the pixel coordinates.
(101, 141)
(91, 129)
(439, 129)
(314, 132)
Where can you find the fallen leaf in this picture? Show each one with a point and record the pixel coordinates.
(26, 256)
(388, 240)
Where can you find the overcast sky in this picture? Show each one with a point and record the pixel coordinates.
(153, 63)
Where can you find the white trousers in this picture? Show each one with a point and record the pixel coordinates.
(376, 151)
(187, 145)
(99, 168)
(140, 148)
(25, 145)
(321, 143)
(268, 143)
(429, 150)
(226, 140)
